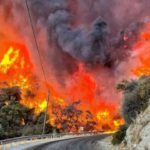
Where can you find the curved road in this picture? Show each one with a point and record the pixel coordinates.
(85, 143)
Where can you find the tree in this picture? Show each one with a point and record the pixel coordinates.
(136, 97)
(119, 136)
(16, 119)
(70, 118)
(13, 115)
(90, 123)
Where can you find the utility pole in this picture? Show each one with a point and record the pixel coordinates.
(45, 115)
(40, 58)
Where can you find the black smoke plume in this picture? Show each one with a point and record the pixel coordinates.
(101, 43)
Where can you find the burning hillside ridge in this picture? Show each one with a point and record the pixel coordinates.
(16, 69)
(82, 64)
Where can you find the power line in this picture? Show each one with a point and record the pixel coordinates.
(38, 50)
(36, 43)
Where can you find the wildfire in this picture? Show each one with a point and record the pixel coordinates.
(103, 115)
(16, 69)
(7, 60)
(43, 105)
(13, 69)
(142, 47)
(106, 117)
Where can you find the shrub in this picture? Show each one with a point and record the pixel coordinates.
(136, 97)
(16, 119)
(119, 136)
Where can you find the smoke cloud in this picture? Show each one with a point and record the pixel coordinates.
(87, 30)
(91, 32)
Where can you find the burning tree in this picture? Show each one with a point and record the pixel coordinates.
(72, 119)
(90, 123)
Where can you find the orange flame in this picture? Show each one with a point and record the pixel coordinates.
(8, 61)
(16, 69)
(142, 48)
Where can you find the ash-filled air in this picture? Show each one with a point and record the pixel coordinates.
(85, 47)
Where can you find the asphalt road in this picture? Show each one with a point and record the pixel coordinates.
(86, 143)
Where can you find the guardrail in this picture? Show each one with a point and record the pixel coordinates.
(33, 137)
(10, 143)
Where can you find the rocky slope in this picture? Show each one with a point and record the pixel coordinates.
(137, 136)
